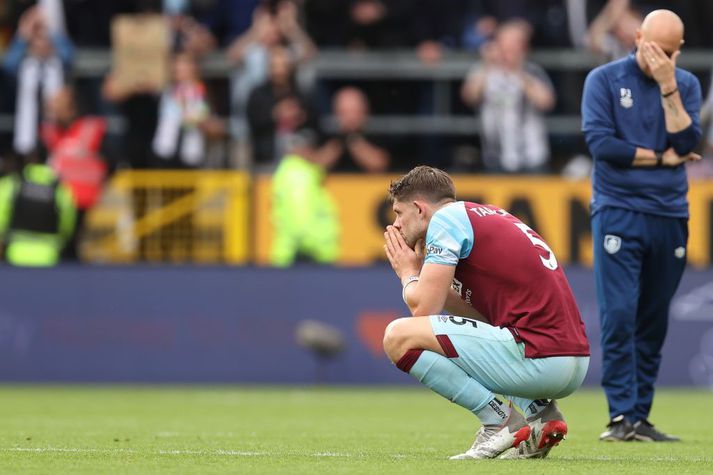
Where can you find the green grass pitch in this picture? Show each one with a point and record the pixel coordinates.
(232, 429)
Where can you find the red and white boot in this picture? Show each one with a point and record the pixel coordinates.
(491, 441)
(548, 429)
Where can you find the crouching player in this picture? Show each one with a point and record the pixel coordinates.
(512, 328)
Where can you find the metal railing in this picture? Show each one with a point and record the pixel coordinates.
(399, 65)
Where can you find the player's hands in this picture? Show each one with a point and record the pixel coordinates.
(663, 68)
(404, 261)
(672, 159)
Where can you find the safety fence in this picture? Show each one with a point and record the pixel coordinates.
(170, 216)
(225, 217)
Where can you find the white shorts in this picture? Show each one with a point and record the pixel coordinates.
(491, 356)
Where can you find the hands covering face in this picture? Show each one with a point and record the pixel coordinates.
(404, 260)
(661, 66)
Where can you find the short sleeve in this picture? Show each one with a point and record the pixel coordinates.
(450, 236)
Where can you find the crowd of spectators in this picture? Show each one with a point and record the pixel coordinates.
(270, 97)
(268, 42)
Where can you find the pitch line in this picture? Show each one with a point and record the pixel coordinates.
(244, 453)
(235, 453)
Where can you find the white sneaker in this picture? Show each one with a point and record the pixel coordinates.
(491, 441)
(548, 430)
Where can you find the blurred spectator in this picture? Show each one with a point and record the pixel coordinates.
(189, 34)
(36, 61)
(358, 152)
(513, 94)
(388, 24)
(326, 22)
(138, 99)
(89, 21)
(76, 150)
(137, 102)
(303, 213)
(505, 11)
(434, 28)
(184, 118)
(479, 29)
(612, 34)
(265, 108)
(374, 24)
(294, 118)
(139, 108)
(225, 19)
(550, 25)
(271, 26)
(37, 215)
(191, 37)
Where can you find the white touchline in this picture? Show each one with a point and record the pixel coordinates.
(237, 453)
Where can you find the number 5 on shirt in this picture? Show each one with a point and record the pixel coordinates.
(551, 262)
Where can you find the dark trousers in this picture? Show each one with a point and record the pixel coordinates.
(638, 262)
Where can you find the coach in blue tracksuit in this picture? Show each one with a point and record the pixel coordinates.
(640, 118)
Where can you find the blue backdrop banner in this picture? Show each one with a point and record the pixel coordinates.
(190, 324)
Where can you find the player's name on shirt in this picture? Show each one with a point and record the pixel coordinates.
(483, 211)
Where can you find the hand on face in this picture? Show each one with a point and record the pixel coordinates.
(404, 260)
(661, 67)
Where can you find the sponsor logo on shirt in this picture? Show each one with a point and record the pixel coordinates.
(457, 286)
(626, 100)
(431, 249)
(612, 243)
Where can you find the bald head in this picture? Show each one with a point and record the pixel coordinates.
(351, 109)
(664, 28)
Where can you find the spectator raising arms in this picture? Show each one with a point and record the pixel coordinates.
(513, 94)
(612, 33)
(37, 61)
(250, 52)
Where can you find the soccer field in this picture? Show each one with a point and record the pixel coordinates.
(79, 429)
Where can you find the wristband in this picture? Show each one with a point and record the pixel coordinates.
(659, 158)
(670, 93)
(409, 281)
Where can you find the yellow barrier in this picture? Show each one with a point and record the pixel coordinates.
(170, 216)
(203, 217)
(556, 208)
